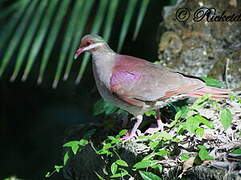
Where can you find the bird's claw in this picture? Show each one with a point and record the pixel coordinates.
(128, 137)
(155, 128)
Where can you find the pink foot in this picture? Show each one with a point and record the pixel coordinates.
(155, 127)
(129, 136)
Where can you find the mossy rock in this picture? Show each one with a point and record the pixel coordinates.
(202, 48)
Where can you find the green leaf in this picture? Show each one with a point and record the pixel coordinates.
(104, 151)
(126, 22)
(48, 175)
(140, 18)
(99, 17)
(192, 124)
(149, 156)
(158, 167)
(178, 115)
(163, 152)
(10, 26)
(74, 145)
(212, 82)
(122, 132)
(200, 132)
(113, 168)
(79, 32)
(144, 164)
(150, 113)
(54, 31)
(153, 144)
(149, 176)
(184, 157)
(39, 36)
(121, 163)
(203, 153)
(11, 8)
(66, 157)
(204, 121)
(83, 142)
(109, 19)
(200, 101)
(99, 177)
(226, 118)
(112, 138)
(165, 135)
(57, 168)
(71, 143)
(68, 38)
(121, 174)
(107, 146)
(236, 151)
(105, 171)
(31, 33)
(104, 107)
(12, 45)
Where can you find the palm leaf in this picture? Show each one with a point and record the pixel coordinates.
(36, 25)
(67, 40)
(95, 30)
(12, 8)
(140, 18)
(17, 36)
(30, 34)
(11, 25)
(41, 33)
(62, 10)
(80, 29)
(126, 22)
(109, 20)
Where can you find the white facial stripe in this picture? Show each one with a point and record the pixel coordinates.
(92, 46)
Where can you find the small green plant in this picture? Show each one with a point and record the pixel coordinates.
(161, 145)
(226, 118)
(193, 119)
(74, 146)
(203, 153)
(212, 82)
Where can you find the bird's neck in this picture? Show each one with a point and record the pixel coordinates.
(103, 62)
(103, 49)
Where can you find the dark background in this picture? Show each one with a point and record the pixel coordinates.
(33, 119)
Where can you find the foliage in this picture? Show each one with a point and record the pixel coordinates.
(36, 26)
(161, 145)
(212, 82)
(12, 178)
(75, 147)
(107, 108)
(203, 153)
(226, 118)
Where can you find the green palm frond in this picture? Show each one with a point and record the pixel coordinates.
(32, 29)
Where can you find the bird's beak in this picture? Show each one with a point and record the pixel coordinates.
(78, 52)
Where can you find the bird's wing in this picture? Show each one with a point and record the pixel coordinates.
(134, 78)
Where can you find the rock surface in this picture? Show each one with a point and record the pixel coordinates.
(203, 48)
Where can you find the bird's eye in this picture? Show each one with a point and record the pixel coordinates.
(89, 42)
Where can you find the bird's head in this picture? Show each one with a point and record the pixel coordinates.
(90, 43)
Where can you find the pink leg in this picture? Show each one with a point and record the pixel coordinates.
(156, 127)
(132, 133)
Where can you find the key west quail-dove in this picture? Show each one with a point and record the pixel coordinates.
(137, 85)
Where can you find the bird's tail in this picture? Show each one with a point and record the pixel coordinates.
(215, 92)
